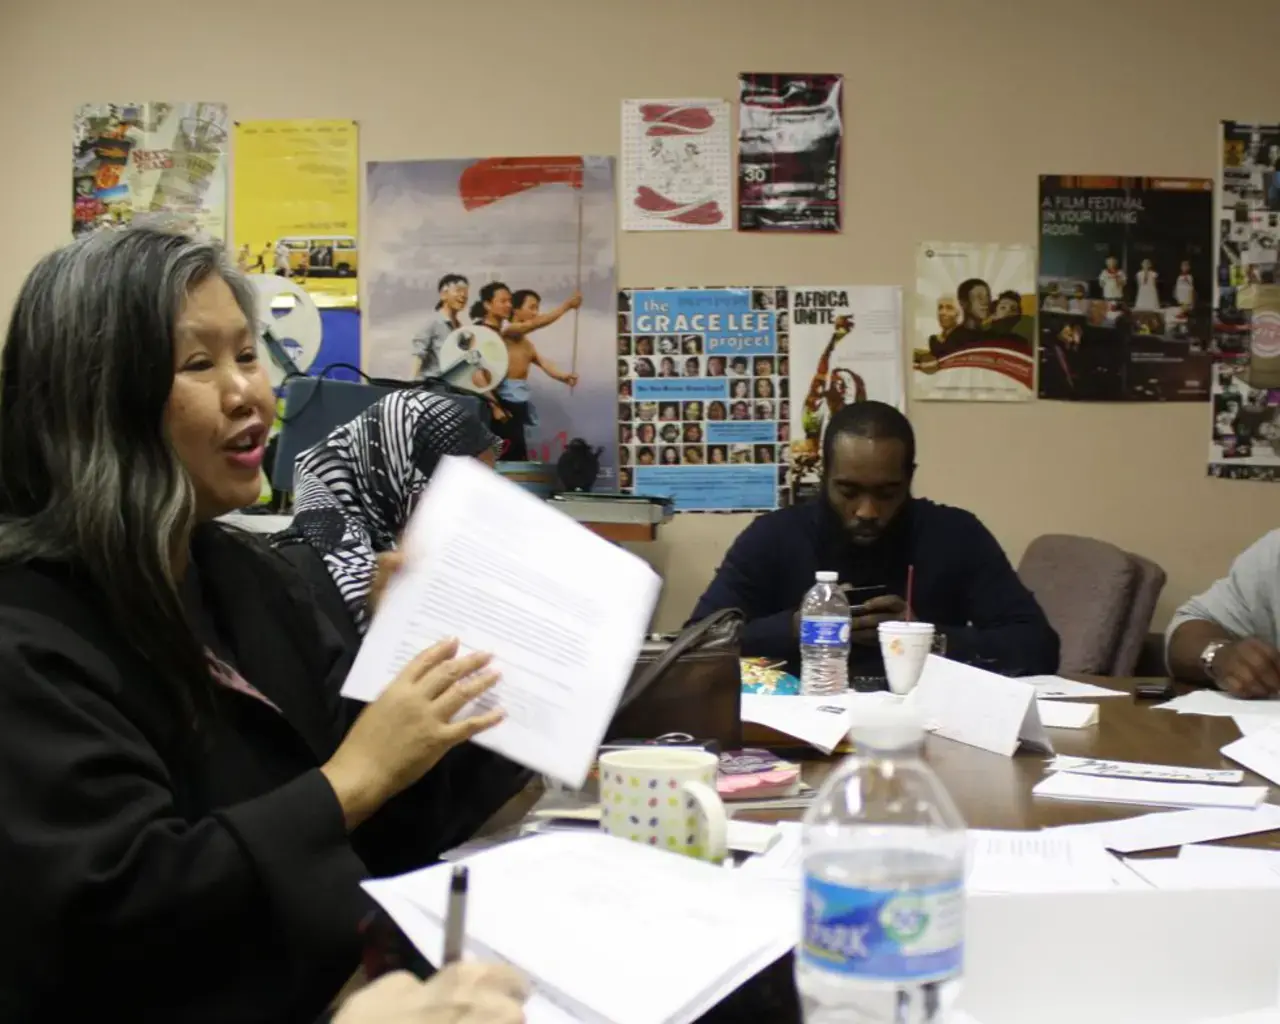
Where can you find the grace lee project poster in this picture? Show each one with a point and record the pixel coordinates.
(973, 329)
(842, 344)
(701, 378)
(676, 173)
(1124, 283)
(168, 160)
(297, 203)
(790, 131)
(522, 246)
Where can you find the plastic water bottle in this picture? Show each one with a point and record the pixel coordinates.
(884, 862)
(825, 624)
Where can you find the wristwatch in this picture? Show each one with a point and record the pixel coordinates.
(1210, 653)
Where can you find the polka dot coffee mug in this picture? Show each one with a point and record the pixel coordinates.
(666, 798)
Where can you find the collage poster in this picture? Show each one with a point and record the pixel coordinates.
(131, 160)
(973, 329)
(701, 376)
(297, 204)
(497, 276)
(790, 134)
(676, 165)
(844, 345)
(1245, 410)
(1248, 214)
(1124, 283)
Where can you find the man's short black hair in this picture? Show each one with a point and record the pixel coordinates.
(966, 288)
(877, 421)
(446, 281)
(518, 299)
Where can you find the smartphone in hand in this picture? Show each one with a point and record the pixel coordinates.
(859, 596)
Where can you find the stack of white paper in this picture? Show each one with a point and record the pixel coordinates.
(1212, 867)
(607, 930)
(1098, 789)
(999, 862)
(1215, 702)
(1258, 751)
(1058, 688)
(1174, 828)
(821, 722)
(563, 612)
(1008, 862)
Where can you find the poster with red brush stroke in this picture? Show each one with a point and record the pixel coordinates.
(676, 170)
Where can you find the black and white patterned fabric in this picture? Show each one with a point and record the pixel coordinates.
(354, 491)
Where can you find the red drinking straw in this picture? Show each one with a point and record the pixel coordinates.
(911, 579)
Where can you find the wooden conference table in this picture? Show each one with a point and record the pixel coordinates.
(994, 792)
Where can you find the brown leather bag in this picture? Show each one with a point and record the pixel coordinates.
(691, 684)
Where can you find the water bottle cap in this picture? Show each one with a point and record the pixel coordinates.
(826, 576)
(887, 726)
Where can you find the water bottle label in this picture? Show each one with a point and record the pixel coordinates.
(824, 631)
(884, 934)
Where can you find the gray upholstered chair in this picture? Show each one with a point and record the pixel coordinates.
(1142, 608)
(1099, 598)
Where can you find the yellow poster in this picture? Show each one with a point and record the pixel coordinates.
(296, 202)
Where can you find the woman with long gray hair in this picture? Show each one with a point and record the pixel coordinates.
(185, 817)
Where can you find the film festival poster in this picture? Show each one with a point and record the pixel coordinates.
(496, 277)
(676, 165)
(1125, 296)
(841, 345)
(790, 133)
(703, 392)
(974, 324)
(162, 160)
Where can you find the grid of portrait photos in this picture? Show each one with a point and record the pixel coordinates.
(712, 402)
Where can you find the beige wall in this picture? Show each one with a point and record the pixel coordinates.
(952, 109)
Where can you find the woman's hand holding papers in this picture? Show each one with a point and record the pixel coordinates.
(400, 736)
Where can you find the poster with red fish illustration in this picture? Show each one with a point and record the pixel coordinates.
(676, 165)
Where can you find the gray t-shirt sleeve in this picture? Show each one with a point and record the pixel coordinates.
(426, 343)
(1243, 602)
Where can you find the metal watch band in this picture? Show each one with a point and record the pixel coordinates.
(1208, 655)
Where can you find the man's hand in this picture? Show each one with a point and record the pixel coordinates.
(573, 301)
(1248, 668)
(866, 617)
(569, 378)
(460, 994)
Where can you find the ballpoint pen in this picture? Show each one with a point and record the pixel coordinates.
(455, 925)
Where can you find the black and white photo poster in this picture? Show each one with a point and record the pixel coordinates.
(790, 129)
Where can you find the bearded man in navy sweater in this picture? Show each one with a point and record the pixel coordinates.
(866, 526)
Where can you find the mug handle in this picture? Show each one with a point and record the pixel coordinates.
(715, 820)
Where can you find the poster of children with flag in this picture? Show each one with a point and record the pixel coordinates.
(496, 277)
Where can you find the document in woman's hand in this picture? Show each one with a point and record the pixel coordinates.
(562, 611)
